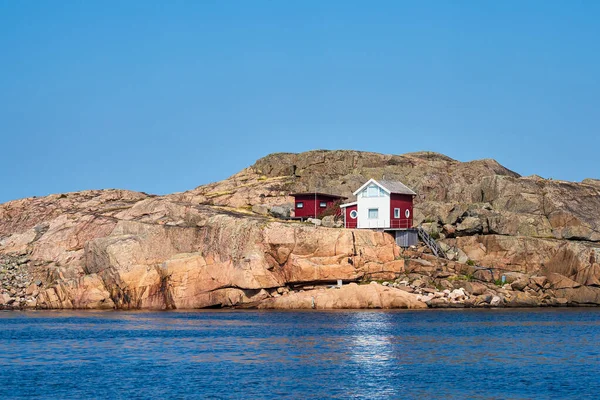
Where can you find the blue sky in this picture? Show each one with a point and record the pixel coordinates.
(163, 96)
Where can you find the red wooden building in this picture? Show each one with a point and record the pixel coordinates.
(350, 211)
(312, 205)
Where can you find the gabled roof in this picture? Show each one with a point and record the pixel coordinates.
(348, 204)
(388, 186)
(397, 187)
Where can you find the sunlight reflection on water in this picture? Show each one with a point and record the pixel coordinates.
(355, 354)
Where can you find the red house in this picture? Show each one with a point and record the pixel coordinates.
(312, 205)
(350, 211)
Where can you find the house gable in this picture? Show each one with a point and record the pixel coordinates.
(369, 183)
(384, 204)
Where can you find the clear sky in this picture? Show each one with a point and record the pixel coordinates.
(163, 96)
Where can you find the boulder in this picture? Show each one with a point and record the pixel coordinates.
(521, 299)
(281, 212)
(520, 284)
(513, 276)
(4, 298)
(418, 283)
(425, 298)
(496, 301)
(581, 295)
(558, 281)
(348, 296)
(483, 299)
(449, 230)
(475, 288)
(469, 226)
(32, 290)
(438, 302)
(484, 275)
(457, 294)
(261, 209)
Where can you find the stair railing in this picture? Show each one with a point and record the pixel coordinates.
(431, 243)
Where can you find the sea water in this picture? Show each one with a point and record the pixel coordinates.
(481, 354)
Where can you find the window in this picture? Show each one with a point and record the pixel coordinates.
(373, 191)
(300, 205)
(323, 204)
(396, 213)
(373, 213)
(353, 214)
(407, 213)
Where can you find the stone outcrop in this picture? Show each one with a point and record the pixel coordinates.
(349, 296)
(224, 244)
(160, 254)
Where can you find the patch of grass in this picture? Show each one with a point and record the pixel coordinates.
(498, 282)
(470, 262)
(467, 277)
(240, 210)
(435, 235)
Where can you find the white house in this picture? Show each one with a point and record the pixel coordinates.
(380, 205)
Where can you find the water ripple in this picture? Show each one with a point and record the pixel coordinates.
(480, 354)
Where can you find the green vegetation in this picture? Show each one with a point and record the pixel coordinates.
(332, 210)
(467, 277)
(470, 262)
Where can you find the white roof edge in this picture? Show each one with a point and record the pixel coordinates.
(367, 183)
(348, 204)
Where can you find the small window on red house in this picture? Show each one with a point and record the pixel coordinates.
(300, 205)
(323, 204)
(396, 213)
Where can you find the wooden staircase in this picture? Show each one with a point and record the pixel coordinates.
(431, 243)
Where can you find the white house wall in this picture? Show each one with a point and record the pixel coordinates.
(381, 203)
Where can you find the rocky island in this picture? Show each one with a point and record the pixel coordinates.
(509, 241)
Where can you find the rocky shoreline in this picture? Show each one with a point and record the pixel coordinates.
(18, 289)
(442, 284)
(420, 281)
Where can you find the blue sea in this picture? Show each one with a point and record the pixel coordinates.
(479, 354)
